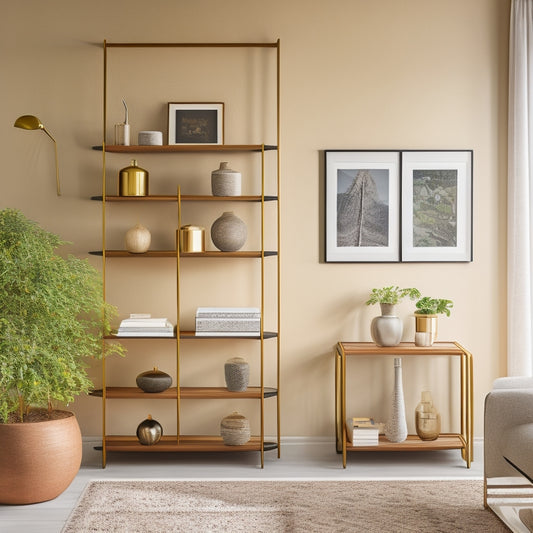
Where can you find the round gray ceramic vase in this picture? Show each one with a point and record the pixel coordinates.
(225, 181)
(387, 329)
(228, 232)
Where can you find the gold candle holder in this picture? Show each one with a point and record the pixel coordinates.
(192, 239)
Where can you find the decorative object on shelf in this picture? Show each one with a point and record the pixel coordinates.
(196, 123)
(192, 239)
(235, 429)
(149, 431)
(133, 180)
(228, 321)
(153, 380)
(427, 418)
(396, 426)
(228, 232)
(237, 374)
(137, 239)
(150, 138)
(387, 329)
(426, 319)
(225, 181)
(143, 325)
(122, 130)
(30, 122)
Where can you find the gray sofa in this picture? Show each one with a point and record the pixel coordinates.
(508, 451)
(508, 439)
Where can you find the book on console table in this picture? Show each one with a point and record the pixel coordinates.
(362, 431)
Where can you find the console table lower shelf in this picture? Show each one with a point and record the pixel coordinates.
(445, 441)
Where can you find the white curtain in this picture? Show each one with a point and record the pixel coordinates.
(520, 191)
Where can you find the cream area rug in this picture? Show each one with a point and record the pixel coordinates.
(282, 506)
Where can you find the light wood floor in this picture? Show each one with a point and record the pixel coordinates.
(300, 459)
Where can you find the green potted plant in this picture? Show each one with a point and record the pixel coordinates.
(52, 319)
(387, 329)
(426, 315)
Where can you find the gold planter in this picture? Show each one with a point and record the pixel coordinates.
(192, 239)
(425, 329)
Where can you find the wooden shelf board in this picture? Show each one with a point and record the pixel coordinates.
(172, 253)
(189, 335)
(446, 441)
(186, 393)
(184, 198)
(187, 443)
(404, 348)
(185, 148)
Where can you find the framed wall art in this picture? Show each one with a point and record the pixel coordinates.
(436, 205)
(362, 206)
(195, 123)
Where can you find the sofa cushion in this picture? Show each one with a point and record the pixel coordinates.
(516, 448)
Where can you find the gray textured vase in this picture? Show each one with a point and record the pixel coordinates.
(387, 329)
(228, 232)
(237, 374)
(225, 181)
(396, 426)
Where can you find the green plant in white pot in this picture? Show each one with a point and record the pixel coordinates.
(387, 329)
(426, 318)
(52, 320)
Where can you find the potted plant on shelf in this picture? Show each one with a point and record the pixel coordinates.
(387, 329)
(426, 315)
(52, 319)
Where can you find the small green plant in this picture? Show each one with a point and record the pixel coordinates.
(391, 295)
(433, 306)
(52, 319)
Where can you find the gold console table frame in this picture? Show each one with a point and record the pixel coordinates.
(446, 441)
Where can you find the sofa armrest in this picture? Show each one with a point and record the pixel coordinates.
(505, 410)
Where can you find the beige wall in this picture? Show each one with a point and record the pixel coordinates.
(355, 75)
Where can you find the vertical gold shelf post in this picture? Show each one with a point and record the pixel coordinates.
(104, 143)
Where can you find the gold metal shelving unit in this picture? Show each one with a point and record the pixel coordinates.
(180, 442)
(447, 441)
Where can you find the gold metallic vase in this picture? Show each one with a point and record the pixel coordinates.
(192, 239)
(133, 181)
(425, 329)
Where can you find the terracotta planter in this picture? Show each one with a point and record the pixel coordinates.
(38, 460)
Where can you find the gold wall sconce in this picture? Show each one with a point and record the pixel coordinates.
(30, 122)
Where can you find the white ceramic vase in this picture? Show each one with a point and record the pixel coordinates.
(387, 329)
(396, 427)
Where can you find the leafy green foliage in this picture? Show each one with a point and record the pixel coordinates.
(433, 306)
(391, 295)
(52, 318)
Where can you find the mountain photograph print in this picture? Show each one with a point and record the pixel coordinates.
(362, 206)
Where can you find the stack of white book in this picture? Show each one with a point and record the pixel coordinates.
(228, 321)
(143, 325)
(362, 431)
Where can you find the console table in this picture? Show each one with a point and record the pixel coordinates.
(446, 441)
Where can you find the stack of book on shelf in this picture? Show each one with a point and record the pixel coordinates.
(228, 321)
(362, 431)
(143, 325)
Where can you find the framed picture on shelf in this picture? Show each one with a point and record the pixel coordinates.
(196, 123)
(437, 205)
(362, 206)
